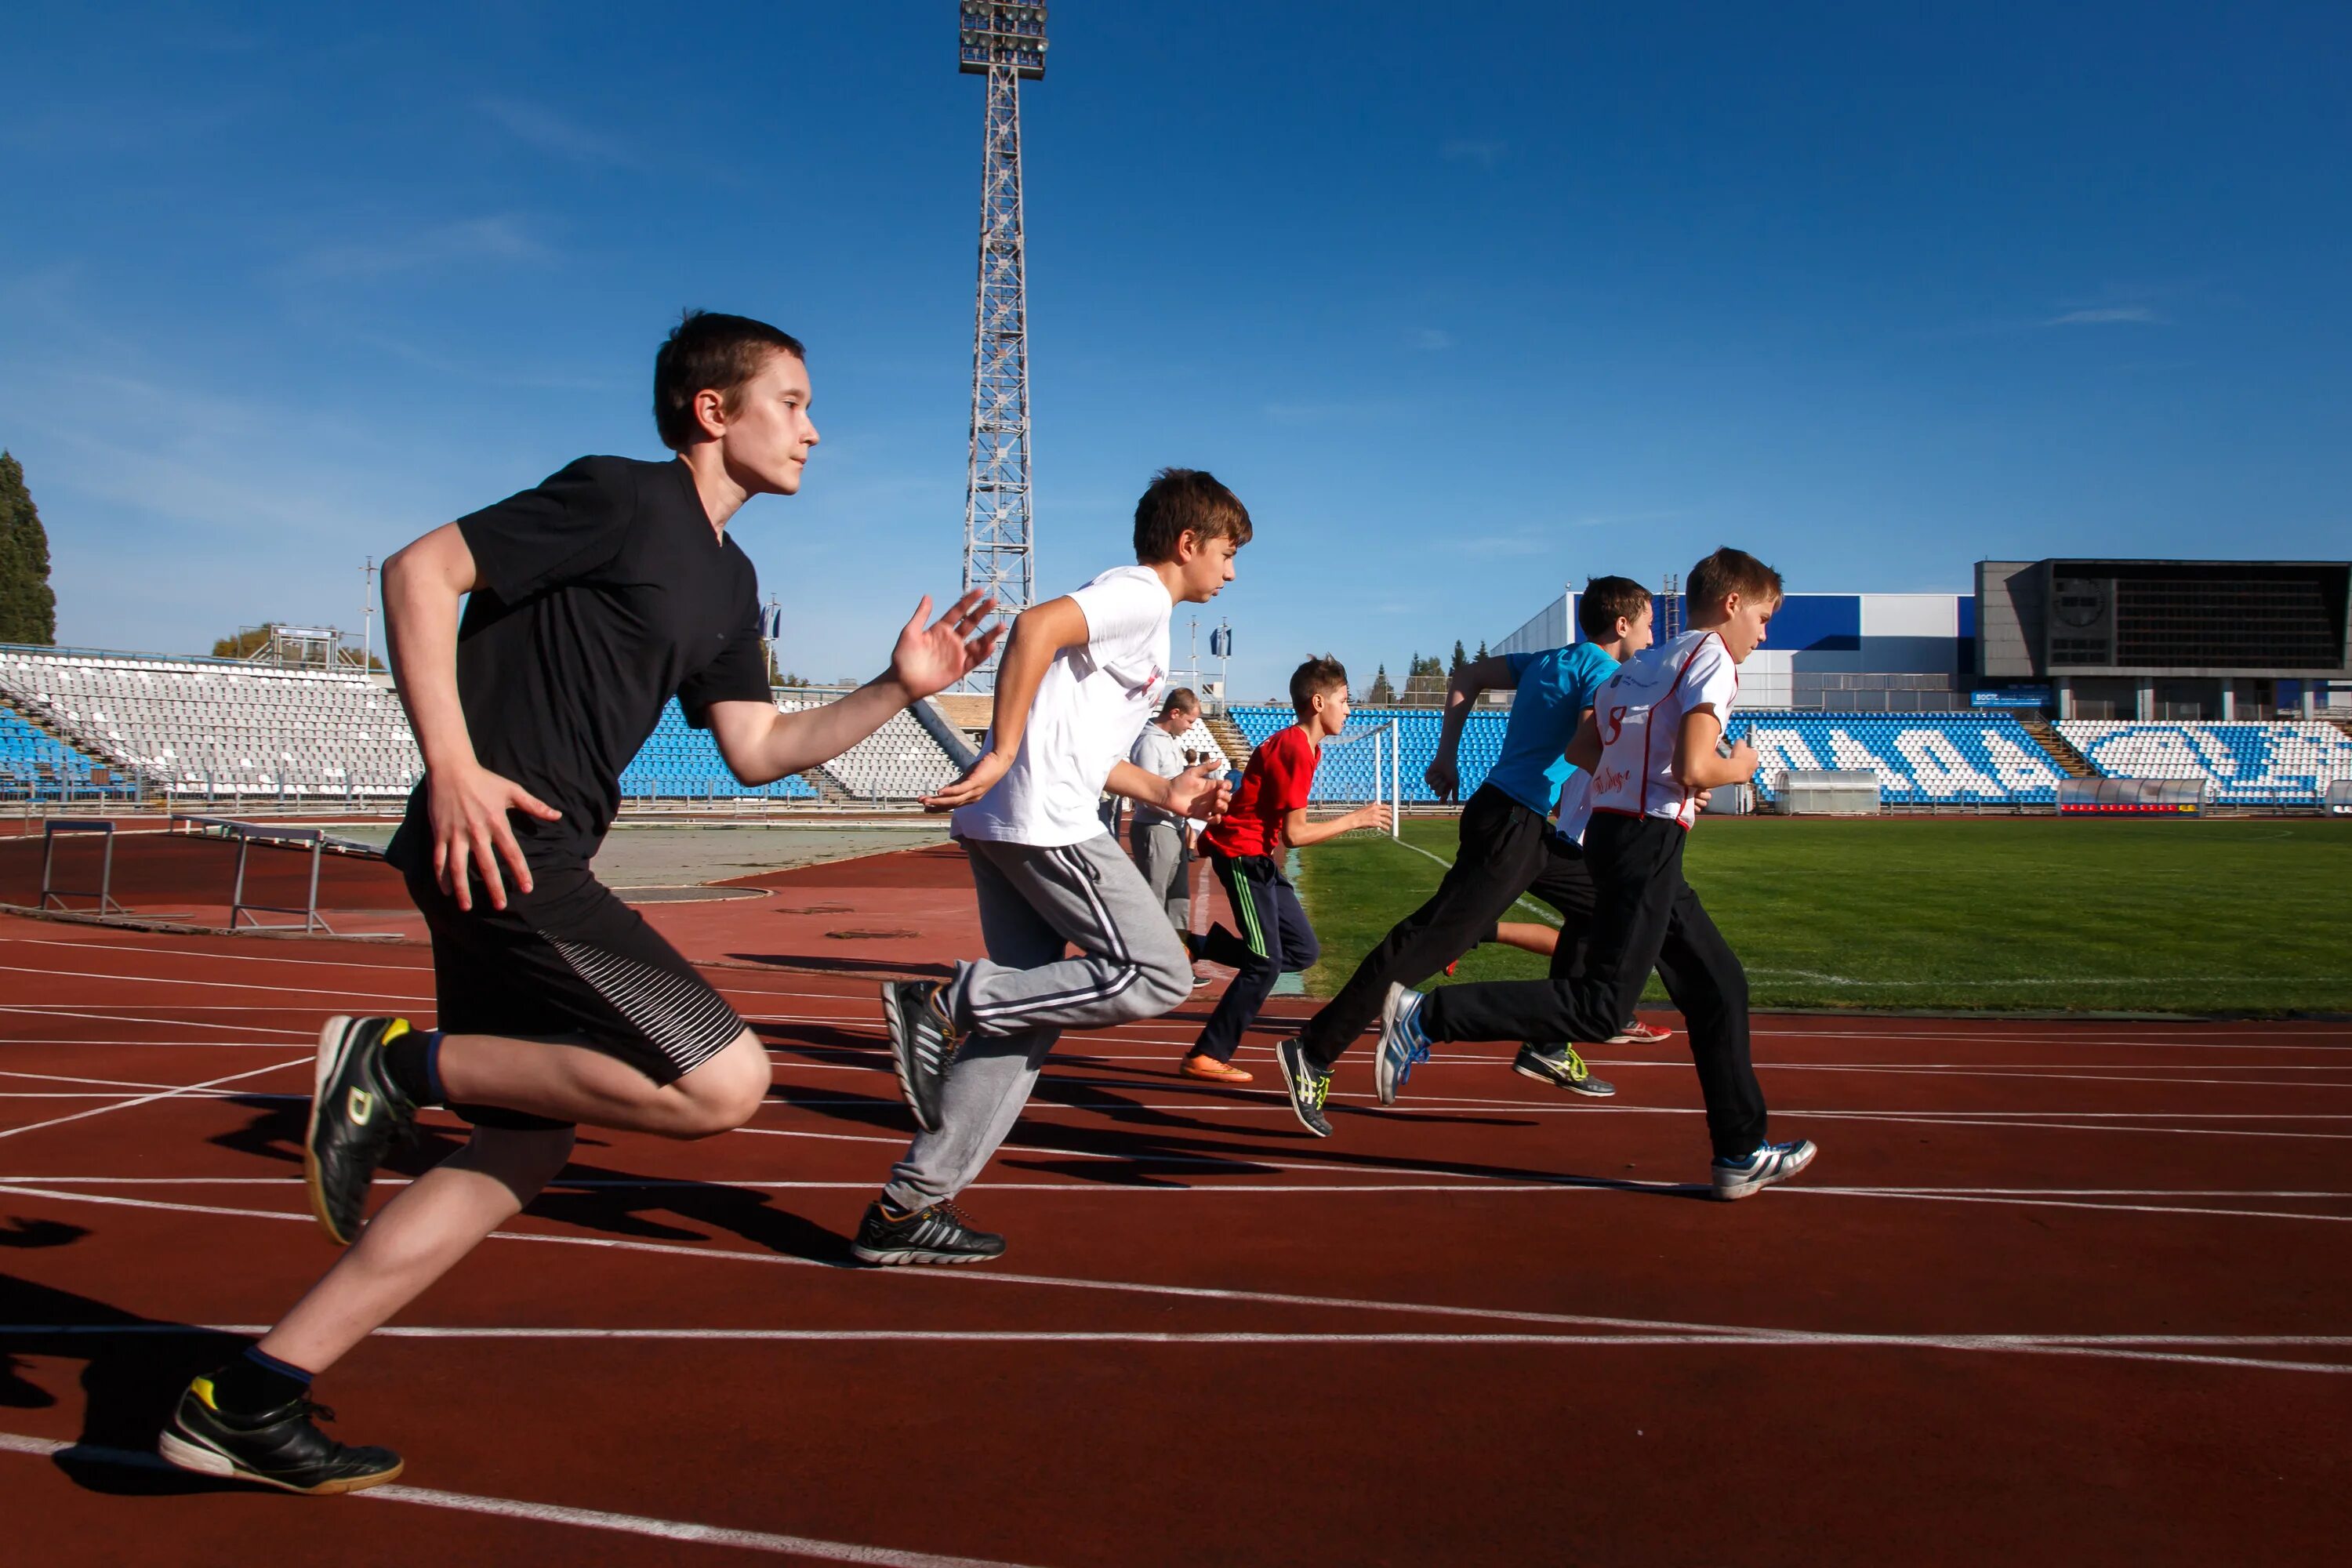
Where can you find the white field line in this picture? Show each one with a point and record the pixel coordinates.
(209, 984)
(1667, 1331)
(1562, 1183)
(63, 1010)
(151, 1099)
(555, 1513)
(101, 1082)
(1247, 1337)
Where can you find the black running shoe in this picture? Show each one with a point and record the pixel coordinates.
(356, 1114)
(281, 1448)
(1309, 1086)
(939, 1234)
(1560, 1066)
(922, 1043)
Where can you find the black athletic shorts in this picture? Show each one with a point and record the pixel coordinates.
(567, 958)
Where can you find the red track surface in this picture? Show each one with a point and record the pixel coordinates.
(1486, 1326)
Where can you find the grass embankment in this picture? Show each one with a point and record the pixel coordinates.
(1993, 913)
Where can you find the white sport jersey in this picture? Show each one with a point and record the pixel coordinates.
(1638, 711)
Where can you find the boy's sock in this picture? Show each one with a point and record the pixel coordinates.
(412, 1062)
(254, 1385)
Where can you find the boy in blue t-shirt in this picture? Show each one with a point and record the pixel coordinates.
(1510, 847)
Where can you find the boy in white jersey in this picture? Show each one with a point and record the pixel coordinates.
(1078, 680)
(1651, 747)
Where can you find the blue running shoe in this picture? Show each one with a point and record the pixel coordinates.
(1771, 1162)
(1403, 1047)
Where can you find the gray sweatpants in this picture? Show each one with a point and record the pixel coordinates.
(1013, 1005)
(1160, 856)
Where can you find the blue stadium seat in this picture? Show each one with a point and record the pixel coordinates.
(678, 762)
(1921, 758)
(2242, 764)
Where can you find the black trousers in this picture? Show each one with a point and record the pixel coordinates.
(1275, 939)
(1646, 917)
(1506, 850)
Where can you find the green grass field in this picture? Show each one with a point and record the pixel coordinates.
(1993, 913)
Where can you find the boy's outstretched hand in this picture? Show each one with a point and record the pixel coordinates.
(972, 785)
(1199, 793)
(1443, 778)
(931, 658)
(1376, 817)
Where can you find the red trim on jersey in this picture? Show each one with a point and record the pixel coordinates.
(1650, 725)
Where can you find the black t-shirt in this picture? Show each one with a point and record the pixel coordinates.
(599, 596)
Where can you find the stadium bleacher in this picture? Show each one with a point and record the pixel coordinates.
(678, 762)
(1921, 758)
(221, 726)
(2242, 764)
(35, 764)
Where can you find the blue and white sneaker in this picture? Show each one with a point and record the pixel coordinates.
(1403, 1047)
(1771, 1162)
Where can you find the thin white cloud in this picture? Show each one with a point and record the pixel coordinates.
(550, 132)
(1434, 340)
(500, 237)
(1472, 150)
(2105, 315)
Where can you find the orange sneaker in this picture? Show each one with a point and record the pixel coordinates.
(1214, 1070)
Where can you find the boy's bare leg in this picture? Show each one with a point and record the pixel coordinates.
(445, 1213)
(567, 1082)
(416, 1239)
(1528, 936)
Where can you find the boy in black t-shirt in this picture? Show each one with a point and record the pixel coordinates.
(595, 598)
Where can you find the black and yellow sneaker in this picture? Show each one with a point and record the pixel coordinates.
(356, 1114)
(922, 1044)
(281, 1448)
(1562, 1067)
(939, 1234)
(1310, 1087)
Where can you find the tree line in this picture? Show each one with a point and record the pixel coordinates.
(1425, 679)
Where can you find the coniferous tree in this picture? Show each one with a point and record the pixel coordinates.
(1482, 650)
(1381, 693)
(1460, 659)
(28, 606)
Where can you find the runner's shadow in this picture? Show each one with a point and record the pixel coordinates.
(275, 1133)
(134, 1368)
(620, 1203)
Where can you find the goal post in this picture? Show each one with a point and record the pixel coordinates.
(1365, 767)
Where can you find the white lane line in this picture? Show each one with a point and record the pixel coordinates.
(101, 1082)
(1236, 1337)
(62, 1010)
(556, 1514)
(1669, 1332)
(209, 984)
(150, 1100)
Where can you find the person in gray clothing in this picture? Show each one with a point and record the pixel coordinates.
(1078, 683)
(1162, 843)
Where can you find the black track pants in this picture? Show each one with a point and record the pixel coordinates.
(1506, 850)
(1275, 939)
(1646, 916)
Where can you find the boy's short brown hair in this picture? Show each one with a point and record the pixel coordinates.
(1604, 601)
(1728, 571)
(1182, 501)
(1179, 700)
(1318, 674)
(711, 352)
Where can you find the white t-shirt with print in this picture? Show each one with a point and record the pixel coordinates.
(1090, 706)
(1638, 711)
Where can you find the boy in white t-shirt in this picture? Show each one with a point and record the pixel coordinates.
(1652, 746)
(1076, 685)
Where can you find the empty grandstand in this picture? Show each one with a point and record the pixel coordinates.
(219, 727)
(2290, 764)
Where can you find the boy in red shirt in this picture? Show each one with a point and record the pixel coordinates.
(1245, 847)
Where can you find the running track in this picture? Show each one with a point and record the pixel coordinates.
(2052, 1292)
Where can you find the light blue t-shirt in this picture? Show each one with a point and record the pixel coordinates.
(1555, 688)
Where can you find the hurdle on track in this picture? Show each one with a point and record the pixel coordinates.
(244, 835)
(103, 893)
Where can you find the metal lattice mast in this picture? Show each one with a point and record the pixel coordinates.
(1006, 42)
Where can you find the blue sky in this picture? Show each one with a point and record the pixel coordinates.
(1464, 310)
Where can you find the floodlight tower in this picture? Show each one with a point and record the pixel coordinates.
(1006, 43)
